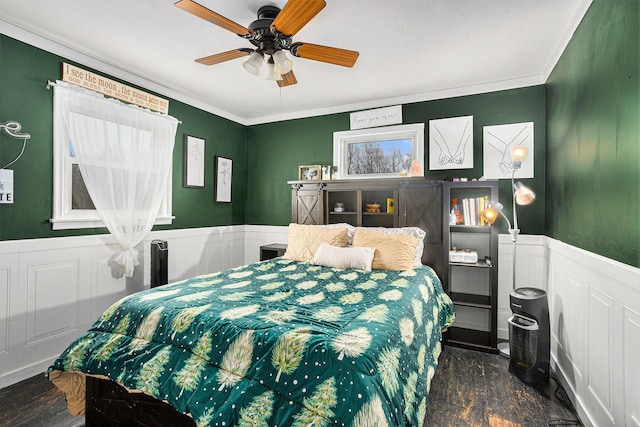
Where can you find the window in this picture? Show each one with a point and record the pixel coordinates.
(72, 205)
(378, 153)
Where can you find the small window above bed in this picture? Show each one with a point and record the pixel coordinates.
(379, 152)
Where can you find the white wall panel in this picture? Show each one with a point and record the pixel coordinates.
(52, 300)
(600, 348)
(5, 281)
(631, 355)
(107, 288)
(572, 320)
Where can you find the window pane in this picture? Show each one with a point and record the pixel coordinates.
(376, 157)
(79, 195)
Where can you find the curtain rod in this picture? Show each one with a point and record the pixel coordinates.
(50, 84)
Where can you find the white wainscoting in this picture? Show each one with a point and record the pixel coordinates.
(594, 306)
(51, 290)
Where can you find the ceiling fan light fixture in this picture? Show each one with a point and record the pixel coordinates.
(282, 64)
(272, 74)
(253, 64)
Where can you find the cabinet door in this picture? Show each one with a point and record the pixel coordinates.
(306, 205)
(422, 207)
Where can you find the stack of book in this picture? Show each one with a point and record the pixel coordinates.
(472, 209)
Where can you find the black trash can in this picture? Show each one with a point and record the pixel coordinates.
(529, 339)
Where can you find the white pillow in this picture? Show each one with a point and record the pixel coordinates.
(406, 231)
(336, 257)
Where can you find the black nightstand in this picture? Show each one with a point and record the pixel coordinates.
(271, 251)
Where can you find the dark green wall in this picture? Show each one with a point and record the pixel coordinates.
(24, 71)
(593, 134)
(276, 150)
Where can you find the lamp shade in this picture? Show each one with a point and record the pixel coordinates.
(282, 64)
(254, 63)
(272, 74)
(490, 215)
(522, 194)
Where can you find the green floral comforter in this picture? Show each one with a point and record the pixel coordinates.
(277, 343)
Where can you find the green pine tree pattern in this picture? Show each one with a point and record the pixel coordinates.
(408, 273)
(271, 286)
(269, 276)
(407, 331)
(236, 361)
(152, 296)
(350, 276)
(112, 343)
(185, 318)
(188, 377)
(280, 317)
(371, 414)
(424, 292)
(265, 266)
(336, 287)
(317, 409)
(429, 330)
(206, 418)
(369, 284)
(430, 373)
(392, 295)
(278, 296)
(196, 296)
(377, 276)
(258, 412)
(237, 285)
(417, 306)
(328, 314)
(110, 311)
(421, 358)
(77, 354)
(289, 351)
(311, 299)
(296, 276)
(387, 365)
(146, 330)
(422, 410)
(352, 343)
(410, 395)
(238, 312)
(378, 313)
(148, 380)
(352, 298)
(289, 268)
(400, 283)
(205, 284)
(325, 275)
(306, 285)
(240, 274)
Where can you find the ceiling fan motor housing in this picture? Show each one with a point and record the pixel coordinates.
(264, 37)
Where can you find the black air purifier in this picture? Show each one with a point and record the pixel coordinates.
(159, 263)
(529, 335)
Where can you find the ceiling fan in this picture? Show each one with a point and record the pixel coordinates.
(271, 35)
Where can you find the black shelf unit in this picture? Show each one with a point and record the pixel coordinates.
(473, 287)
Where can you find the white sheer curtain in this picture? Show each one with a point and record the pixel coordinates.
(125, 155)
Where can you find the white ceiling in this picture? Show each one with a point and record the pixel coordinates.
(410, 50)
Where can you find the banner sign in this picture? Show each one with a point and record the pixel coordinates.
(378, 117)
(112, 88)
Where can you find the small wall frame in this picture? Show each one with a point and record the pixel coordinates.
(310, 173)
(194, 162)
(224, 175)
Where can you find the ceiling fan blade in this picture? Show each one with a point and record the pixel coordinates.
(209, 15)
(224, 56)
(295, 15)
(331, 55)
(288, 79)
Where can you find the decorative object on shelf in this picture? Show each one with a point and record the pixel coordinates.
(326, 172)
(390, 207)
(451, 143)
(339, 207)
(224, 174)
(194, 158)
(373, 207)
(11, 128)
(309, 172)
(498, 141)
(521, 195)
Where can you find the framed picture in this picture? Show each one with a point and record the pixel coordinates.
(309, 173)
(224, 173)
(194, 156)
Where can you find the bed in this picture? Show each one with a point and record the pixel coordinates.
(282, 342)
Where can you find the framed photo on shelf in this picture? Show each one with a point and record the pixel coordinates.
(194, 157)
(309, 173)
(224, 169)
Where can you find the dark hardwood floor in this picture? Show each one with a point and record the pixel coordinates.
(468, 389)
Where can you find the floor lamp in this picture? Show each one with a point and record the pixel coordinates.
(521, 195)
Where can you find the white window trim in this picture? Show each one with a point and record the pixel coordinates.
(65, 218)
(341, 141)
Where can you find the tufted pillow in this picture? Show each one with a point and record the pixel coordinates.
(393, 251)
(333, 256)
(407, 231)
(350, 229)
(305, 239)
